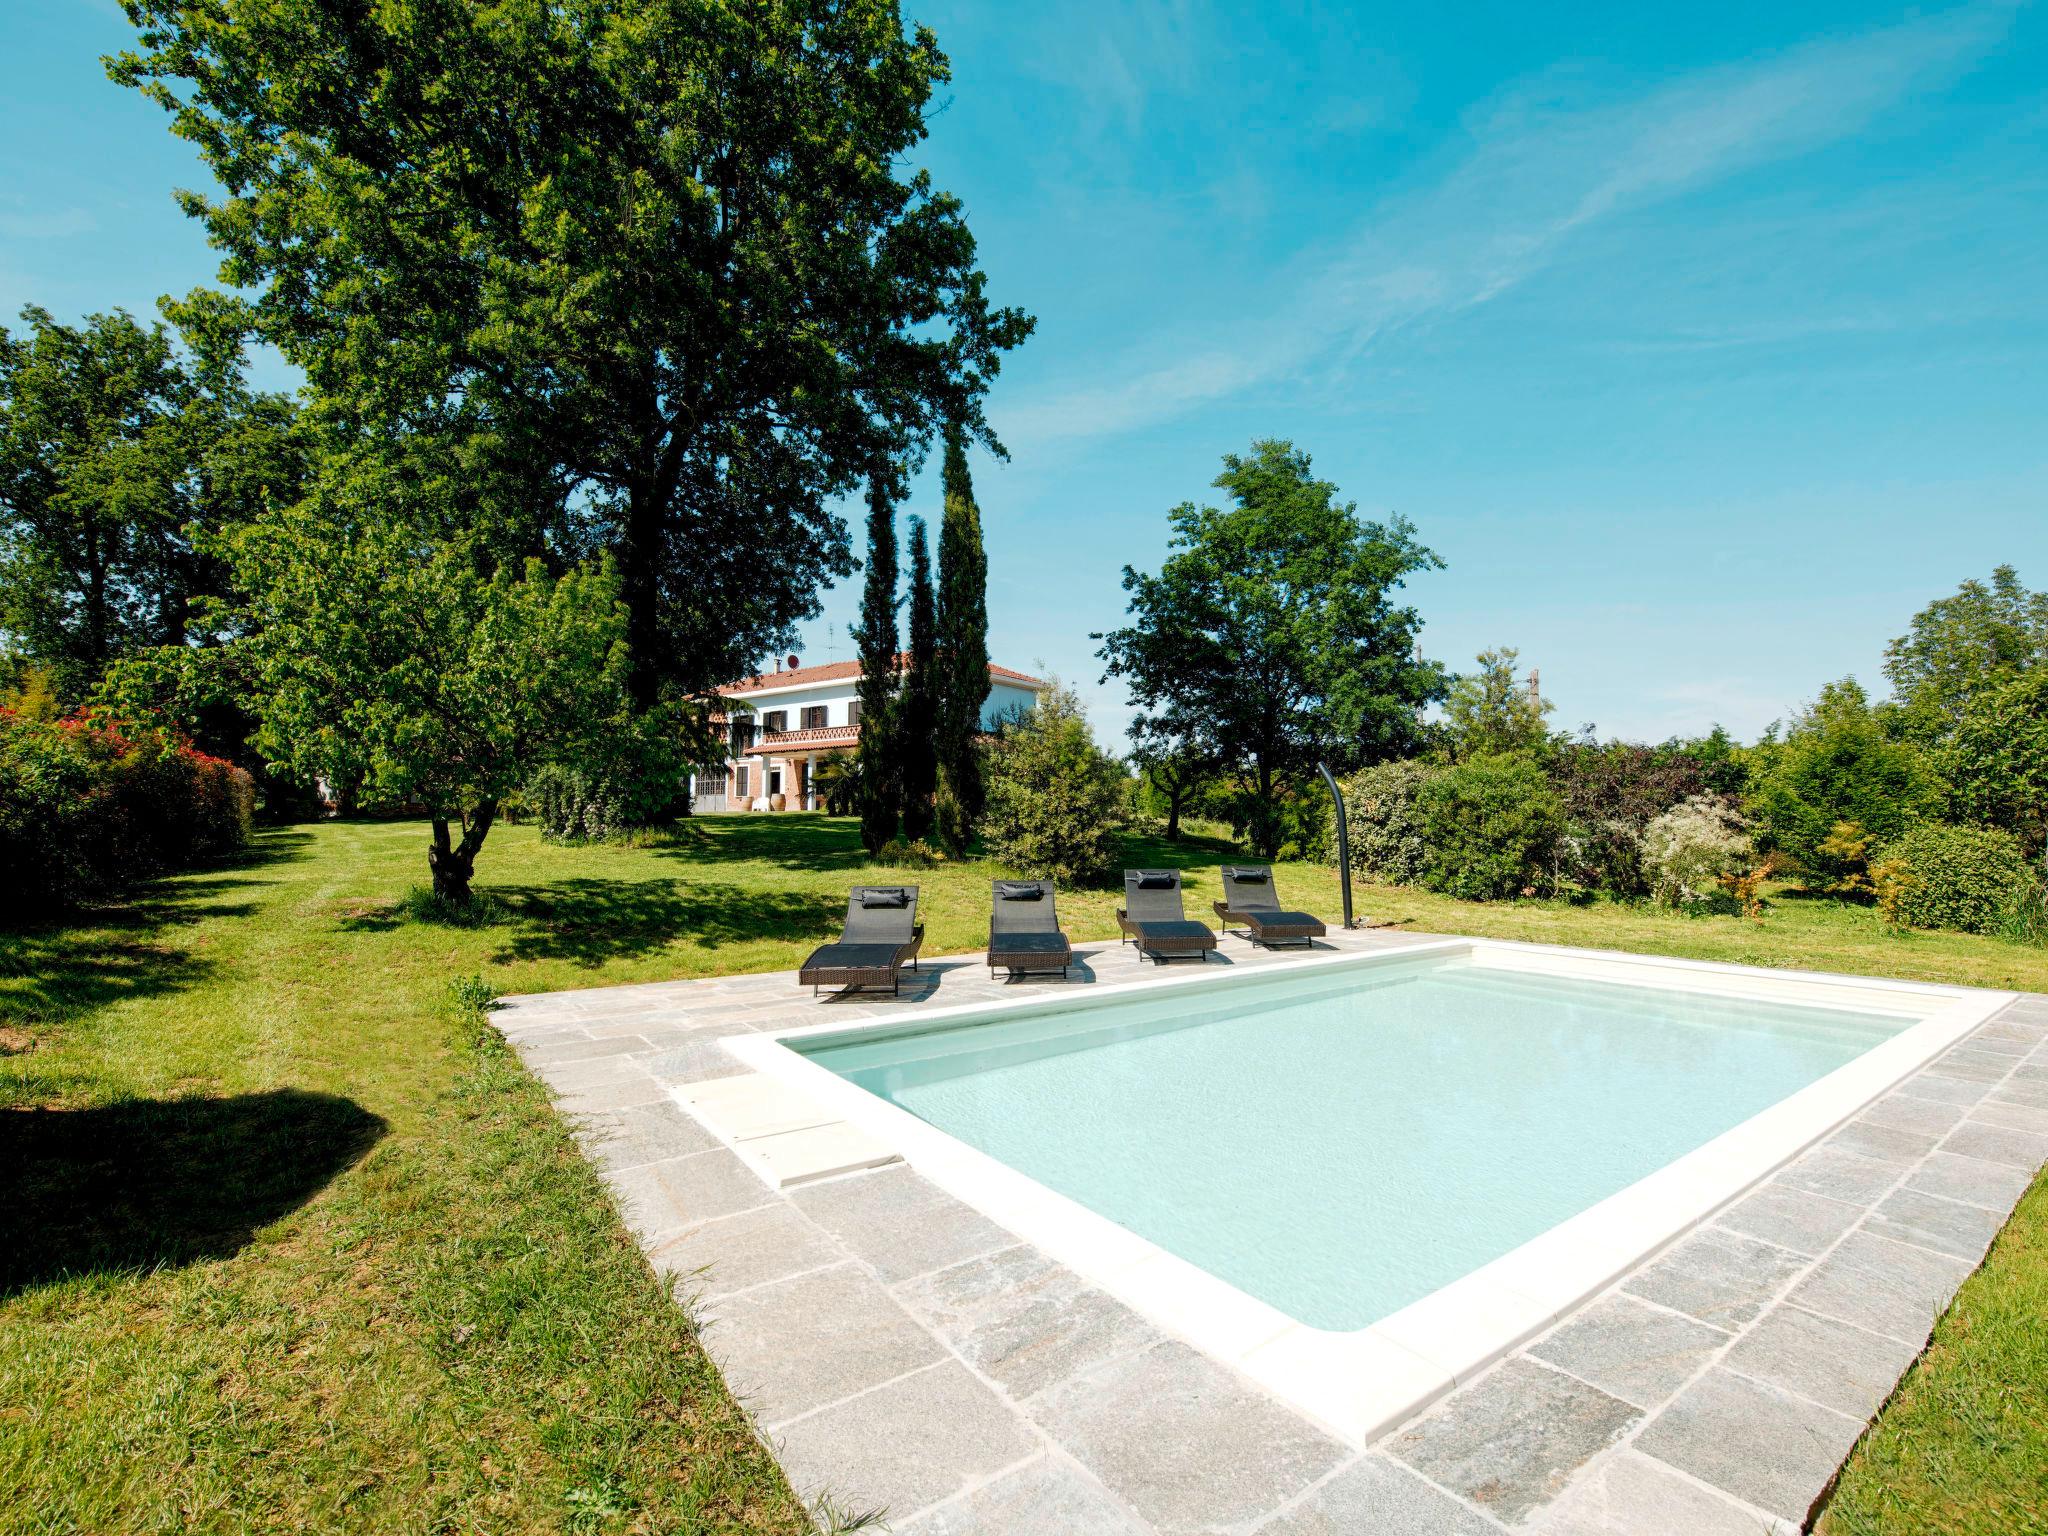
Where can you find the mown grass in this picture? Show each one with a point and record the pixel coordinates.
(1962, 1448)
(284, 1245)
(287, 1246)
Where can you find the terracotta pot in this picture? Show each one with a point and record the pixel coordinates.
(778, 802)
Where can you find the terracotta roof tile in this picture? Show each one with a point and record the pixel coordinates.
(844, 671)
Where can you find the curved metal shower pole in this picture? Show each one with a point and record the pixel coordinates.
(1343, 839)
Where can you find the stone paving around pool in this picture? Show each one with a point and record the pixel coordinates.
(899, 1351)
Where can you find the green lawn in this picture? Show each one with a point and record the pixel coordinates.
(285, 1246)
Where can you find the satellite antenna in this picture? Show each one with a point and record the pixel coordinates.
(792, 663)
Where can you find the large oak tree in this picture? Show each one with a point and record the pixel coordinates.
(660, 262)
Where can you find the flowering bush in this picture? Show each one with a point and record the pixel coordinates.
(1691, 850)
(86, 804)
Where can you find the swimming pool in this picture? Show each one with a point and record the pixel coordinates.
(1340, 1146)
(1362, 1178)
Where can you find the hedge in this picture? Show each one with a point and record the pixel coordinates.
(87, 805)
(1491, 827)
(1967, 878)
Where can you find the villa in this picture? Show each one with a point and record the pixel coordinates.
(787, 721)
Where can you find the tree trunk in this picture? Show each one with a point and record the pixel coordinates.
(1173, 799)
(640, 590)
(453, 864)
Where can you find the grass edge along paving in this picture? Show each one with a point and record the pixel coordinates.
(432, 1318)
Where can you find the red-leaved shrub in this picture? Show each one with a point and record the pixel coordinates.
(89, 804)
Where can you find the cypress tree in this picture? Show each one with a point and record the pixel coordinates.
(915, 755)
(962, 653)
(881, 773)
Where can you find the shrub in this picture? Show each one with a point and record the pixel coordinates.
(86, 804)
(901, 852)
(1297, 814)
(1385, 822)
(1968, 878)
(1692, 849)
(1836, 764)
(1745, 887)
(1611, 791)
(1890, 882)
(575, 805)
(1491, 825)
(635, 775)
(1845, 853)
(1055, 799)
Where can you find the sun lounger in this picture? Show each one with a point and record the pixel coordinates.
(1248, 901)
(1024, 929)
(1152, 917)
(881, 936)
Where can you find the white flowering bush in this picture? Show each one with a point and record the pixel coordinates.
(1690, 847)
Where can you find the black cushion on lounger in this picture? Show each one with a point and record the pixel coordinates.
(885, 896)
(1028, 944)
(1275, 919)
(1020, 890)
(1252, 876)
(852, 957)
(1164, 928)
(1157, 880)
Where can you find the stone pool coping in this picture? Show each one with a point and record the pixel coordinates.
(899, 1349)
(1358, 1383)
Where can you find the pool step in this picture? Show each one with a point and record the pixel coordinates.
(784, 1136)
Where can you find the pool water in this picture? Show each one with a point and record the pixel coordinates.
(1341, 1143)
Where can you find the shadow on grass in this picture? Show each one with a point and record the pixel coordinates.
(155, 1183)
(271, 845)
(804, 840)
(590, 921)
(55, 976)
(1147, 850)
(55, 971)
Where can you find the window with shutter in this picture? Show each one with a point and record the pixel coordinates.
(814, 717)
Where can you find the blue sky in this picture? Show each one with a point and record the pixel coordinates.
(1704, 346)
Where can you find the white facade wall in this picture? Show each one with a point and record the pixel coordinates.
(837, 698)
(1006, 698)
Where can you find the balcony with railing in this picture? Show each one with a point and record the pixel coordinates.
(821, 738)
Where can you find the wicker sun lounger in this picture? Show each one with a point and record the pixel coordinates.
(1024, 929)
(1152, 917)
(880, 937)
(1248, 901)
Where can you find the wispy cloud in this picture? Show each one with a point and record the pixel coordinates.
(50, 224)
(1535, 171)
(1745, 705)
